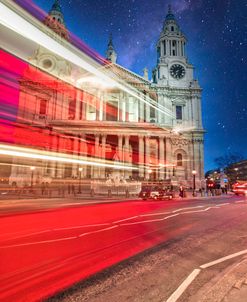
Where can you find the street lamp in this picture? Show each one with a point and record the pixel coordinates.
(194, 181)
(80, 170)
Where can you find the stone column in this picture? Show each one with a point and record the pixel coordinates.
(190, 160)
(147, 157)
(141, 156)
(54, 149)
(101, 109)
(103, 141)
(127, 110)
(83, 152)
(96, 171)
(161, 49)
(126, 154)
(169, 160)
(120, 147)
(161, 157)
(60, 165)
(141, 113)
(96, 145)
(147, 117)
(126, 149)
(97, 105)
(201, 160)
(78, 102)
(75, 155)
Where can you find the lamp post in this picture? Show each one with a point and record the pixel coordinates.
(194, 181)
(80, 170)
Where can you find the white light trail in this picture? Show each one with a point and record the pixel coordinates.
(59, 157)
(19, 21)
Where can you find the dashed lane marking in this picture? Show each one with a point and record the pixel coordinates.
(98, 231)
(112, 225)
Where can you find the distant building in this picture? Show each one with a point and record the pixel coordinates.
(237, 171)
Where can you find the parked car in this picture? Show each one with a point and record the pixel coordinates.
(155, 193)
(240, 188)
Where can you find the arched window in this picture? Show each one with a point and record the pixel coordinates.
(172, 28)
(179, 160)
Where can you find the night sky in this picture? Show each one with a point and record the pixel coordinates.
(217, 46)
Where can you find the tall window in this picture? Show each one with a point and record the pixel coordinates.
(152, 112)
(179, 160)
(72, 105)
(42, 106)
(179, 114)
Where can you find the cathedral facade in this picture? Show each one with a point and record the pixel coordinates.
(162, 136)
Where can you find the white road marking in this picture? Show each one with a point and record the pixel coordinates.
(98, 231)
(81, 226)
(181, 289)
(179, 210)
(240, 201)
(133, 217)
(37, 242)
(59, 239)
(167, 217)
(223, 259)
(154, 214)
(222, 204)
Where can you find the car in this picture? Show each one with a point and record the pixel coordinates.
(240, 189)
(155, 193)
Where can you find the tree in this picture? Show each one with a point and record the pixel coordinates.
(224, 161)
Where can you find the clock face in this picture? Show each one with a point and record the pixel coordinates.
(177, 71)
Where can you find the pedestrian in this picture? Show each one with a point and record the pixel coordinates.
(181, 191)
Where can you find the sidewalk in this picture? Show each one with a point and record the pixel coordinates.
(229, 286)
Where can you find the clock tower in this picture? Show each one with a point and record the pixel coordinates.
(172, 66)
(179, 94)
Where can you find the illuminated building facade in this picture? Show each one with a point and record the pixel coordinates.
(160, 132)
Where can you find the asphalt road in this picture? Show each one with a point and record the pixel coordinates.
(43, 252)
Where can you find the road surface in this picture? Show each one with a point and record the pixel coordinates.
(42, 253)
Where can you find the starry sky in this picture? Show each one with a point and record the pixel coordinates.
(217, 46)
